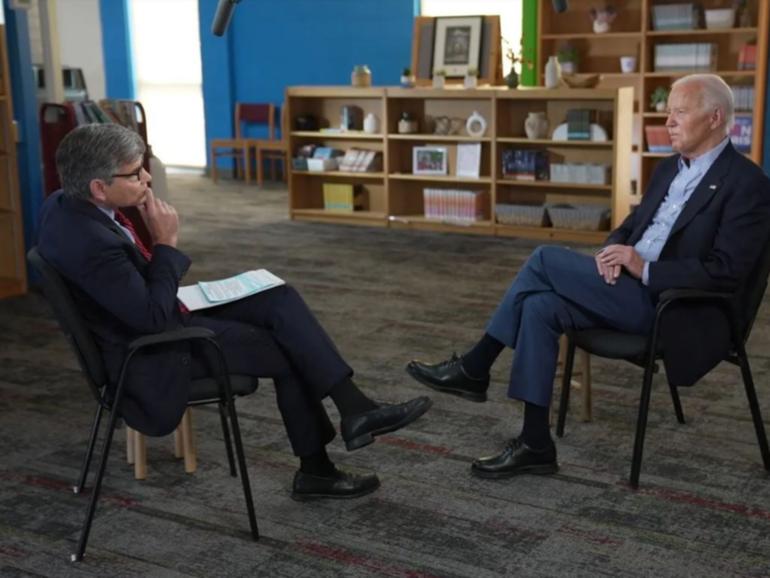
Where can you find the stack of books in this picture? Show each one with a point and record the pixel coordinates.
(361, 161)
(525, 164)
(455, 206)
(658, 140)
(579, 124)
(683, 16)
(740, 135)
(744, 97)
(324, 159)
(689, 57)
(747, 57)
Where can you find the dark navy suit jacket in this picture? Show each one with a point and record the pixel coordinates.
(714, 245)
(122, 296)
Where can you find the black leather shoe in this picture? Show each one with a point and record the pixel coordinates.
(359, 430)
(339, 486)
(450, 377)
(517, 458)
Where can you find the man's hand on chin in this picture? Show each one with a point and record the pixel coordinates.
(161, 219)
(616, 256)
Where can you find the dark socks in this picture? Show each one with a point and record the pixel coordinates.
(349, 399)
(536, 432)
(317, 464)
(479, 360)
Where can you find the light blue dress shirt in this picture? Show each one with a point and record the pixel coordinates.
(682, 187)
(111, 214)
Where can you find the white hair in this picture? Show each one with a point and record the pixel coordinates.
(714, 93)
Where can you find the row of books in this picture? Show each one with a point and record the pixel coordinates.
(579, 124)
(691, 56)
(455, 206)
(525, 164)
(361, 161)
(682, 16)
(744, 97)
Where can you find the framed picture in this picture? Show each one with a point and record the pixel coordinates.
(429, 160)
(457, 45)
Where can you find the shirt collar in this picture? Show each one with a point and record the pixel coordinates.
(706, 159)
(109, 212)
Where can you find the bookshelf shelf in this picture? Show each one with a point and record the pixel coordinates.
(323, 135)
(397, 198)
(633, 34)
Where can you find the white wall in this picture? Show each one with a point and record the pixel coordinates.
(80, 40)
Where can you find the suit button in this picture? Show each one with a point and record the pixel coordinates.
(185, 360)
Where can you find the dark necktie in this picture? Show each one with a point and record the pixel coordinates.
(146, 253)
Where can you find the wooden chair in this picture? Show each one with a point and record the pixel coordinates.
(240, 147)
(274, 150)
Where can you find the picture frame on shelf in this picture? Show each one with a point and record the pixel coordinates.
(457, 44)
(429, 160)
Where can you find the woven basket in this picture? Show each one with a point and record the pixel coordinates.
(531, 215)
(581, 217)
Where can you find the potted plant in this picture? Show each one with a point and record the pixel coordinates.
(659, 98)
(439, 76)
(568, 58)
(471, 77)
(512, 78)
(407, 80)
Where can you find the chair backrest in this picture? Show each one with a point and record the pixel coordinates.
(254, 114)
(754, 289)
(71, 322)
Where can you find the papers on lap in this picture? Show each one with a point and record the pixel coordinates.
(212, 293)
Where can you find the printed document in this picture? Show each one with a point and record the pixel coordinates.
(212, 293)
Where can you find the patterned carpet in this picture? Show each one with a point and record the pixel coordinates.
(703, 508)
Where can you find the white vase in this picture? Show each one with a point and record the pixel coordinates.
(568, 67)
(371, 123)
(536, 125)
(552, 72)
(438, 81)
(470, 81)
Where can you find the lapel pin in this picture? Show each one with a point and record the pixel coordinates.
(712, 187)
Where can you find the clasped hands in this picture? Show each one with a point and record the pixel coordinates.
(611, 259)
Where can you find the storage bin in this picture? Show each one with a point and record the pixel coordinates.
(529, 215)
(580, 217)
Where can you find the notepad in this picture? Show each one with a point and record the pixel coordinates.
(212, 293)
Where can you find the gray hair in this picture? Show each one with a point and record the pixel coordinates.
(714, 93)
(95, 151)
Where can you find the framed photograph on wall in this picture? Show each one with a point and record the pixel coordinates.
(457, 44)
(429, 160)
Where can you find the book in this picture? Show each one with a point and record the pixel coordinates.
(212, 293)
(468, 160)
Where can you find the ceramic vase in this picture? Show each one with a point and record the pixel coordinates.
(552, 72)
(512, 80)
(371, 123)
(536, 125)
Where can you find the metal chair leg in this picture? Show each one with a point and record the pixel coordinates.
(242, 466)
(78, 487)
(641, 424)
(756, 415)
(78, 555)
(677, 403)
(565, 387)
(226, 435)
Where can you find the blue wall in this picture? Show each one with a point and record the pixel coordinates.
(116, 46)
(272, 44)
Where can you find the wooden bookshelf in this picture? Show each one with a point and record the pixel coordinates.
(633, 34)
(395, 195)
(13, 269)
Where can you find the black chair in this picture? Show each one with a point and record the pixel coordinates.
(220, 389)
(740, 310)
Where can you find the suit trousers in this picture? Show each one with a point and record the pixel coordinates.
(557, 290)
(274, 334)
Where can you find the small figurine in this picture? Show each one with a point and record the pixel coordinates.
(602, 18)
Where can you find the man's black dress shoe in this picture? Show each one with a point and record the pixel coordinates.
(517, 458)
(359, 430)
(339, 486)
(450, 377)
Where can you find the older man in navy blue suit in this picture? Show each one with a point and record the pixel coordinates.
(124, 290)
(701, 224)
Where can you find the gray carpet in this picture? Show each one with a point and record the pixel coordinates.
(703, 508)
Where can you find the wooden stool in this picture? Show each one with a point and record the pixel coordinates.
(582, 369)
(184, 446)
